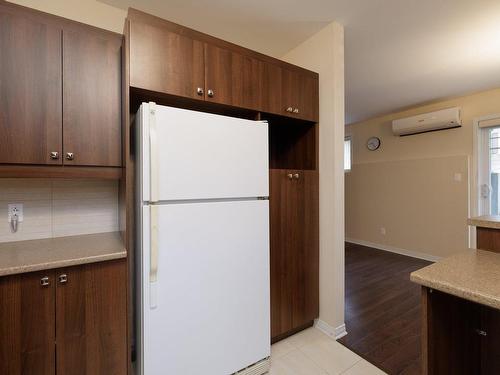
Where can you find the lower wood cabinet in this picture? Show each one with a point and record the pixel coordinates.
(67, 321)
(294, 250)
(459, 336)
(488, 239)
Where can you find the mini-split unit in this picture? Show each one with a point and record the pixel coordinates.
(427, 122)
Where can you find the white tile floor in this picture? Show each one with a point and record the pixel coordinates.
(311, 352)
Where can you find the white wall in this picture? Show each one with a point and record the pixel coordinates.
(324, 54)
(59, 207)
(91, 12)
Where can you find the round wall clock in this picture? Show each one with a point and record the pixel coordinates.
(373, 143)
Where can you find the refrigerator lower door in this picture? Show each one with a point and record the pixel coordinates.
(205, 304)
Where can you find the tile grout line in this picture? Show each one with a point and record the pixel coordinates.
(347, 369)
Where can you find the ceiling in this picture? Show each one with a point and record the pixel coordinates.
(398, 53)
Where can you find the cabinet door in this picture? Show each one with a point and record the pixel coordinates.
(451, 333)
(30, 91)
(304, 263)
(166, 62)
(490, 343)
(294, 249)
(27, 318)
(271, 89)
(280, 210)
(92, 99)
(232, 78)
(91, 319)
(300, 95)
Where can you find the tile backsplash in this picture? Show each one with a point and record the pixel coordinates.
(59, 207)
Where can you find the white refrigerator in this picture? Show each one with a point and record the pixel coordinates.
(202, 258)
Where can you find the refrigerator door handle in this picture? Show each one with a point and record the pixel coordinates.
(153, 153)
(153, 272)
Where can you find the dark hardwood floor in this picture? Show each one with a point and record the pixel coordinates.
(382, 310)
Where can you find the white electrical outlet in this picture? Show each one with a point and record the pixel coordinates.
(15, 209)
(382, 231)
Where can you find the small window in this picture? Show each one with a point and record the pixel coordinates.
(347, 154)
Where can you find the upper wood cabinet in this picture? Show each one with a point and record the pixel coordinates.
(60, 91)
(165, 61)
(91, 98)
(271, 89)
(299, 94)
(30, 90)
(65, 321)
(172, 59)
(232, 78)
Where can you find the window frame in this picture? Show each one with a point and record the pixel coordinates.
(348, 138)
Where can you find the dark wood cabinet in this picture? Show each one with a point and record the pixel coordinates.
(490, 341)
(232, 78)
(166, 62)
(27, 324)
(459, 336)
(271, 89)
(294, 250)
(92, 98)
(305, 259)
(91, 319)
(299, 95)
(60, 92)
(488, 239)
(280, 191)
(65, 321)
(171, 59)
(30, 90)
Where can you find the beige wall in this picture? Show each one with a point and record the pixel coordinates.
(408, 186)
(324, 53)
(90, 12)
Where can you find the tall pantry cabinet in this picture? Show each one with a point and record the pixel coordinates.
(173, 65)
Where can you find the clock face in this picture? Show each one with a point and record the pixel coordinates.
(373, 143)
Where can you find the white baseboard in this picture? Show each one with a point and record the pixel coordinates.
(327, 329)
(393, 249)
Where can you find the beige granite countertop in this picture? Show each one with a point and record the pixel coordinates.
(36, 255)
(472, 274)
(486, 221)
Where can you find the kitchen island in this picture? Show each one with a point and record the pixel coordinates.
(461, 314)
(487, 232)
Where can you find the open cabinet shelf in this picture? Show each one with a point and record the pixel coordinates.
(292, 143)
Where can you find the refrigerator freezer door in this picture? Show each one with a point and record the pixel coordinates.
(207, 309)
(189, 155)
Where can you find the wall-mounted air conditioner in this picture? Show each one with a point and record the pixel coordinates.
(439, 120)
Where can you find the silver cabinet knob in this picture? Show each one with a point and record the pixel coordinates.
(44, 281)
(290, 176)
(199, 91)
(210, 93)
(296, 176)
(70, 156)
(54, 155)
(481, 332)
(289, 109)
(295, 110)
(63, 278)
